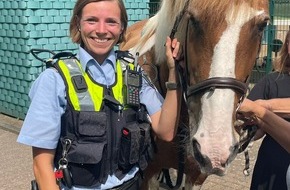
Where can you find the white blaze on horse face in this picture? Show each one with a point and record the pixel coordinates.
(216, 133)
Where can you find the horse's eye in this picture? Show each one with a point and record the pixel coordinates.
(194, 22)
(261, 26)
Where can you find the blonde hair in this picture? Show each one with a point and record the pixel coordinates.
(279, 64)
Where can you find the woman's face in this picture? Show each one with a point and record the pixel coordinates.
(100, 27)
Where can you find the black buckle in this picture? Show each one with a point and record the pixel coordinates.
(113, 103)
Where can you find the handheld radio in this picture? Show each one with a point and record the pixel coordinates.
(132, 82)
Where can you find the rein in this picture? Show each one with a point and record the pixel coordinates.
(181, 135)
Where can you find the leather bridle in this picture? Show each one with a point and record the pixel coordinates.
(209, 84)
(218, 82)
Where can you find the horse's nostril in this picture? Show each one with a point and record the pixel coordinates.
(197, 153)
(195, 144)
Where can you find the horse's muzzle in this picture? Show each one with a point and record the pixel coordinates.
(207, 165)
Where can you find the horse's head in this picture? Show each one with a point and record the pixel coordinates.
(221, 41)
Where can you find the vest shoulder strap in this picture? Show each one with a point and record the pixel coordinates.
(85, 94)
(65, 54)
(125, 55)
(125, 58)
(71, 65)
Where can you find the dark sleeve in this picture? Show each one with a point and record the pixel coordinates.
(260, 90)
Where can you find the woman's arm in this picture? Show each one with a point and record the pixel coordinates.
(164, 122)
(43, 168)
(269, 122)
(280, 106)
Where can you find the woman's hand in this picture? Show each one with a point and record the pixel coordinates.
(172, 52)
(246, 108)
(249, 117)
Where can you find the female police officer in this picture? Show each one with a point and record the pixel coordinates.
(75, 127)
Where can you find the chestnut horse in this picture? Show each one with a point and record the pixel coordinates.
(220, 40)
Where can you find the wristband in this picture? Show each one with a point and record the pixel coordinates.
(171, 85)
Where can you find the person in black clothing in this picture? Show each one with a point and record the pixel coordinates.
(269, 116)
(272, 92)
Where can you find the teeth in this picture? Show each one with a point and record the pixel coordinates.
(100, 40)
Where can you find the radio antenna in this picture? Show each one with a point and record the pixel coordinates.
(136, 61)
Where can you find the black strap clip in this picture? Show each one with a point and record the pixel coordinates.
(125, 56)
(113, 103)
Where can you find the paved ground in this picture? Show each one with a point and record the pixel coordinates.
(16, 166)
(234, 179)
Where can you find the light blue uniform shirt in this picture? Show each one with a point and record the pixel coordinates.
(42, 124)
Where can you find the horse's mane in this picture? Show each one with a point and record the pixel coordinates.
(160, 26)
(159, 23)
(147, 39)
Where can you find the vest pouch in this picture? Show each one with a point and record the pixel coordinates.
(88, 174)
(87, 154)
(129, 147)
(86, 164)
(91, 126)
(146, 146)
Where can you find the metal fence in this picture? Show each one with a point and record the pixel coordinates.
(273, 38)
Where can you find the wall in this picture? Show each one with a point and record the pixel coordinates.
(27, 24)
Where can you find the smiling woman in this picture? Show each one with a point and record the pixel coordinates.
(100, 28)
(88, 129)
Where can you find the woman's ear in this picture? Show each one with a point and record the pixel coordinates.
(77, 20)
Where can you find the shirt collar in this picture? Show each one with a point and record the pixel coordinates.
(85, 58)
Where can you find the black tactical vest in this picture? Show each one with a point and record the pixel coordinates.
(104, 137)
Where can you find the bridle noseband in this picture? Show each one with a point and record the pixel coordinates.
(218, 82)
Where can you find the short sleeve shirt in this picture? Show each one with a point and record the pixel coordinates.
(42, 124)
